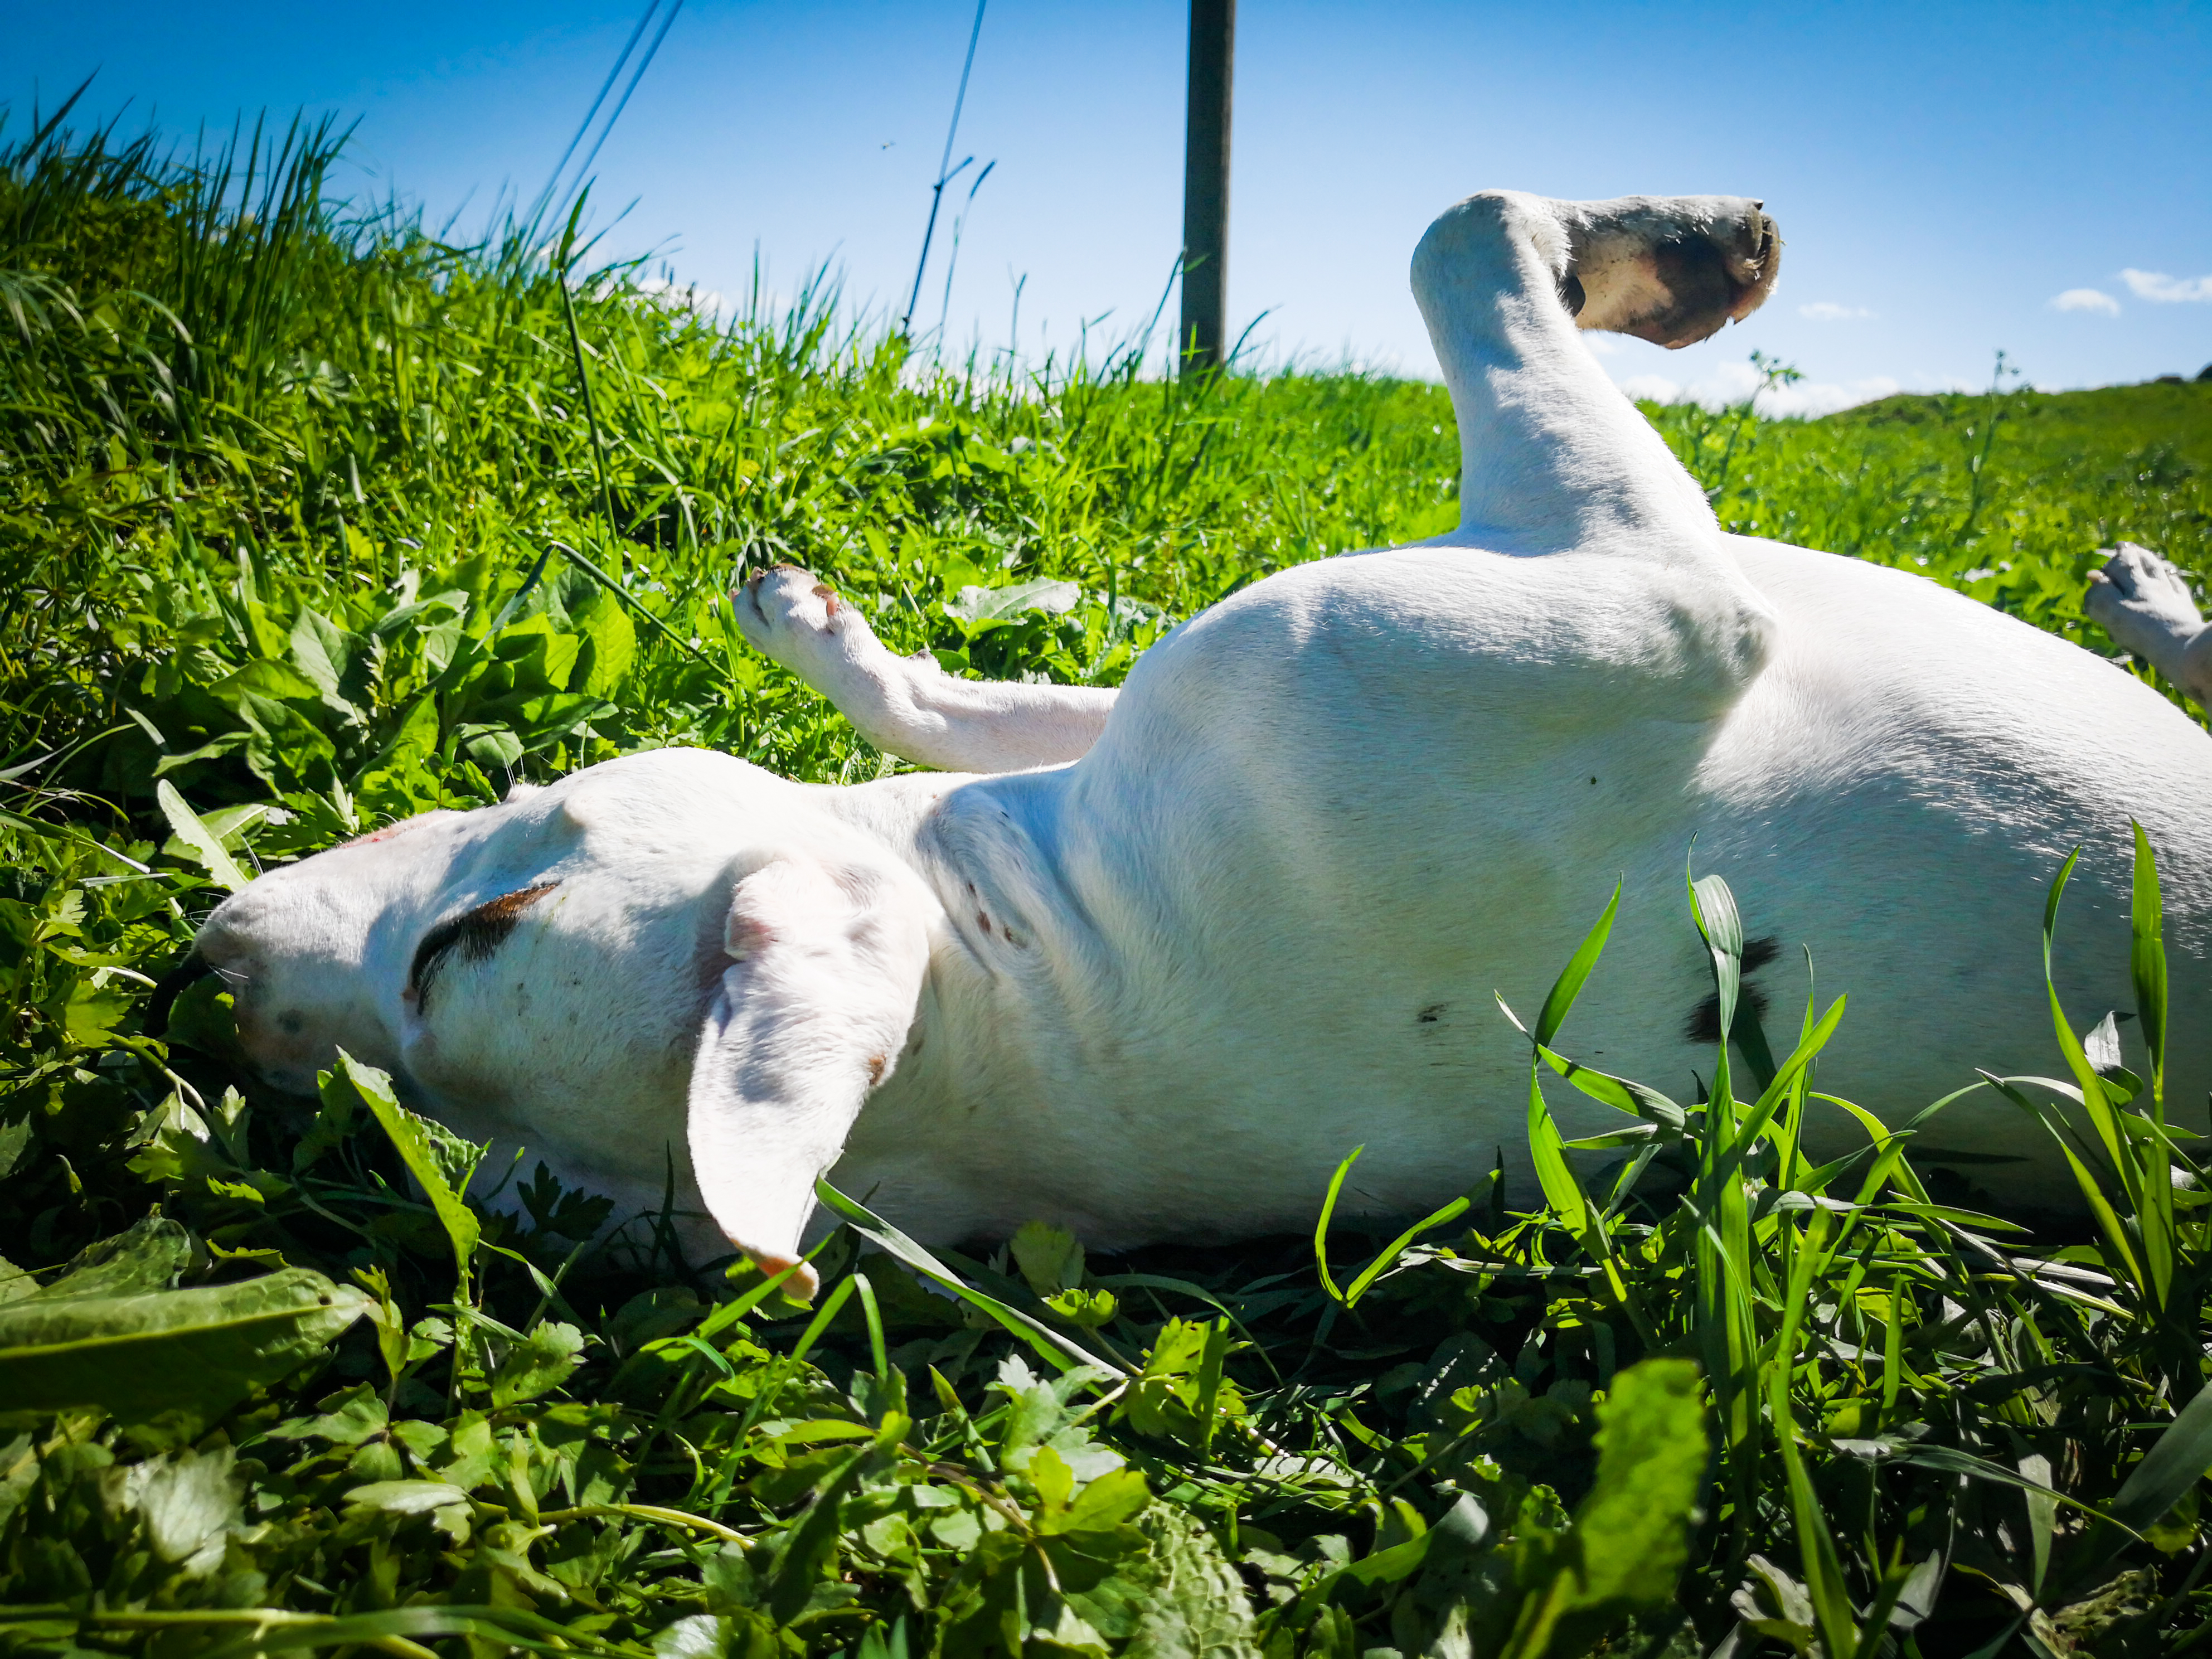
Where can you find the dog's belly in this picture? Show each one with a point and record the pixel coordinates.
(1295, 871)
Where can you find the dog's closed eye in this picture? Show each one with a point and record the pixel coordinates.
(475, 934)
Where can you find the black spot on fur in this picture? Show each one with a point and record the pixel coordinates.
(1704, 1024)
(475, 934)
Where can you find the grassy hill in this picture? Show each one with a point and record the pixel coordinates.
(2052, 431)
(308, 521)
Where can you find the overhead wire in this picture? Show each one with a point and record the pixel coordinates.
(555, 196)
(944, 167)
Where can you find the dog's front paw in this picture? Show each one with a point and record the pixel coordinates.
(792, 617)
(2144, 603)
(785, 605)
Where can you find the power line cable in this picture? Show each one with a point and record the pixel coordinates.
(545, 195)
(643, 64)
(944, 163)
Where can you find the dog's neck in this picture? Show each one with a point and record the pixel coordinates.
(1012, 982)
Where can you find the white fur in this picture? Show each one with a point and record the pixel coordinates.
(1254, 912)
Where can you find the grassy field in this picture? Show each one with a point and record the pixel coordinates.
(308, 521)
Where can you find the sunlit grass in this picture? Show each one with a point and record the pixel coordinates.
(305, 523)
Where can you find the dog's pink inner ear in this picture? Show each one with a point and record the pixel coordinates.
(826, 972)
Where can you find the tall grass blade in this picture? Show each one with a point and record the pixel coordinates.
(2146, 959)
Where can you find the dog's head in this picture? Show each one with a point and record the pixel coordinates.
(672, 948)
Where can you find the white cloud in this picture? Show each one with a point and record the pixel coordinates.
(1812, 398)
(707, 302)
(2086, 299)
(1827, 311)
(1731, 383)
(2157, 285)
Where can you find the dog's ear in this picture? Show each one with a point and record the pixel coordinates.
(828, 960)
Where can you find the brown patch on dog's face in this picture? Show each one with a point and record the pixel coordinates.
(474, 934)
(1677, 288)
(1706, 296)
(1695, 275)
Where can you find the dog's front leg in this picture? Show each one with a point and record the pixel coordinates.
(909, 706)
(825, 976)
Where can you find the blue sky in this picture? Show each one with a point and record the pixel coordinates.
(1942, 173)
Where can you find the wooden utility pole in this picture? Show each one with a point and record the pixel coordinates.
(1206, 185)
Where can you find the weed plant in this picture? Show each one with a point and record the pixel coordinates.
(311, 520)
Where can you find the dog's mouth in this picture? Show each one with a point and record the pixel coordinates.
(174, 984)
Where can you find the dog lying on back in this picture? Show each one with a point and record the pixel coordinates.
(1148, 964)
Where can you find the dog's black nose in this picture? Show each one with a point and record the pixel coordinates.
(174, 983)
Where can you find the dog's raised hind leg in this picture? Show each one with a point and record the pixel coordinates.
(909, 706)
(1553, 456)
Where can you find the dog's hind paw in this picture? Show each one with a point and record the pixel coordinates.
(2143, 602)
(1670, 269)
(2146, 605)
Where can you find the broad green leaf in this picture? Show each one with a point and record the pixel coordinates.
(543, 1360)
(975, 604)
(1196, 1607)
(323, 652)
(494, 748)
(15, 1282)
(416, 739)
(286, 750)
(439, 1160)
(1112, 1500)
(188, 1500)
(270, 679)
(1049, 1258)
(197, 1352)
(344, 1419)
(609, 645)
(406, 1497)
(205, 845)
(149, 1257)
(1632, 1531)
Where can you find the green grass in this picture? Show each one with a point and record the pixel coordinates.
(313, 521)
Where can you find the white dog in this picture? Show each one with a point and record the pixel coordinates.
(1176, 951)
